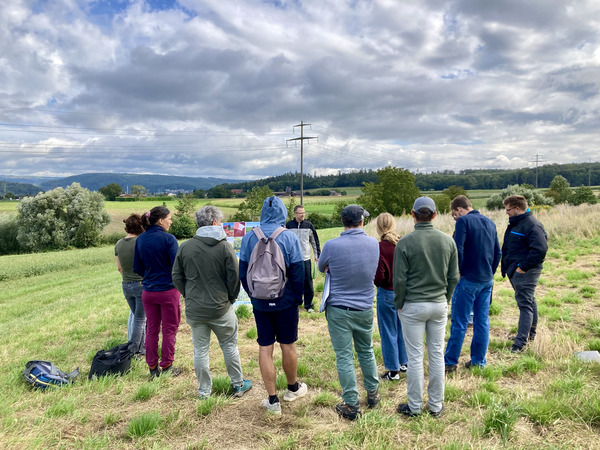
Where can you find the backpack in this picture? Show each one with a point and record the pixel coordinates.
(115, 361)
(43, 374)
(267, 273)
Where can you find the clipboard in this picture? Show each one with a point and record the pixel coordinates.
(326, 288)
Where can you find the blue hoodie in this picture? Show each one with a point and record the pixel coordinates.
(273, 216)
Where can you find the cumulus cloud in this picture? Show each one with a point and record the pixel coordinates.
(213, 88)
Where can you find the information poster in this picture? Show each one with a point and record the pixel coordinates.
(235, 231)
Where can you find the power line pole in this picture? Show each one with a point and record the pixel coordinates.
(302, 138)
(537, 160)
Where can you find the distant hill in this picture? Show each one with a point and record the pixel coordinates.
(22, 179)
(152, 183)
(18, 189)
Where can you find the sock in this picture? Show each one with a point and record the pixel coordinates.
(273, 399)
(293, 387)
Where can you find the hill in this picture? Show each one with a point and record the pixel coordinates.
(152, 183)
(18, 189)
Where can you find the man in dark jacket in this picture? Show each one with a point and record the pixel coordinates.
(277, 319)
(206, 273)
(523, 252)
(307, 235)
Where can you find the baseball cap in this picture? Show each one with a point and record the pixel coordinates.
(424, 202)
(354, 213)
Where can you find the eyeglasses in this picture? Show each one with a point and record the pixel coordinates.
(509, 209)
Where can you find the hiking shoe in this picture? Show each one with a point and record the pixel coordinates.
(290, 396)
(154, 373)
(470, 365)
(403, 368)
(173, 371)
(348, 411)
(516, 349)
(373, 398)
(389, 377)
(274, 408)
(238, 391)
(438, 414)
(403, 408)
(450, 369)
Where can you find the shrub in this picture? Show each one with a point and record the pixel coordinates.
(61, 218)
(534, 198)
(183, 226)
(584, 194)
(8, 234)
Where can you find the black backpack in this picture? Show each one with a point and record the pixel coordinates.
(43, 374)
(115, 361)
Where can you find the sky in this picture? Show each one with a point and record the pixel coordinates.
(217, 87)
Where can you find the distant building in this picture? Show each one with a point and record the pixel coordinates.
(237, 191)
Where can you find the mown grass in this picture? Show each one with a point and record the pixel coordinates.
(64, 306)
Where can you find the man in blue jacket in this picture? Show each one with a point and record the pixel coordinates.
(277, 319)
(478, 257)
(523, 253)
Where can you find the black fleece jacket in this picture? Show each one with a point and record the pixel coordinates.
(525, 244)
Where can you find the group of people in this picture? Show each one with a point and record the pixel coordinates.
(415, 277)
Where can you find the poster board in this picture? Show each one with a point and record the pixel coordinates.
(235, 231)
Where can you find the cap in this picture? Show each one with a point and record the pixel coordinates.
(424, 202)
(354, 214)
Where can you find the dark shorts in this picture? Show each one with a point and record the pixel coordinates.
(280, 326)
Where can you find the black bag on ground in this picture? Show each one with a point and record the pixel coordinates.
(43, 374)
(115, 361)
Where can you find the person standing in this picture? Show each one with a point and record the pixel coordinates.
(307, 235)
(479, 253)
(351, 260)
(390, 328)
(425, 275)
(277, 319)
(523, 253)
(206, 273)
(155, 252)
(132, 283)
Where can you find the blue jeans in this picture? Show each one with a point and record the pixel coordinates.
(346, 327)
(136, 325)
(524, 285)
(467, 297)
(390, 331)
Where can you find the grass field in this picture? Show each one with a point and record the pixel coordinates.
(64, 306)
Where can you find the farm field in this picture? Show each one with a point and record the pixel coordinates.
(64, 306)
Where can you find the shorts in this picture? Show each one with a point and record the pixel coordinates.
(280, 326)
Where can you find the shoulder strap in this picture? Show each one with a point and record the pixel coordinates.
(258, 233)
(276, 233)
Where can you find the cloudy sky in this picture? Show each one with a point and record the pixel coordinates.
(215, 87)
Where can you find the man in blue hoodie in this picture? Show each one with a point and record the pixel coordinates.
(277, 319)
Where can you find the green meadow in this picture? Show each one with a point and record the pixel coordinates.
(64, 306)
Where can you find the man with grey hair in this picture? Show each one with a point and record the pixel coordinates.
(206, 273)
(425, 275)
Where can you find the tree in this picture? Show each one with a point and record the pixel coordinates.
(454, 191)
(61, 218)
(138, 191)
(442, 202)
(250, 208)
(584, 194)
(111, 191)
(184, 226)
(219, 192)
(394, 192)
(534, 198)
(560, 190)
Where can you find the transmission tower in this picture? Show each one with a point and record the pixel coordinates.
(302, 138)
(537, 161)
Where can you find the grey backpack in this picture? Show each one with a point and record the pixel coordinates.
(266, 270)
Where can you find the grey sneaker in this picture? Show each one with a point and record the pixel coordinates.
(290, 396)
(238, 391)
(373, 398)
(274, 408)
(310, 310)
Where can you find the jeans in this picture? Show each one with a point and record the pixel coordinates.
(419, 318)
(226, 330)
(162, 309)
(344, 328)
(309, 292)
(524, 285)
(390, 331)
(467, 297)
(136, 325)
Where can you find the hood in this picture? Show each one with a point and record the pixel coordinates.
(212, 231)
(273, 212)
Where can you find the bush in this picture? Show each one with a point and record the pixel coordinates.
(8, 234)
(442, 202)
(584, 194)
(61, 218)
(183, 226)
(534, 198)
(321, 221)
(250, 208)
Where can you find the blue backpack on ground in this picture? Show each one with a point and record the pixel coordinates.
(43, 374)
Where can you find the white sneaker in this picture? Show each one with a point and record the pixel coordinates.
(275, 408)
(290, 396)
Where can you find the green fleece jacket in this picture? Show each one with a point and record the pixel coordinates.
(425, 266)
(206, 273)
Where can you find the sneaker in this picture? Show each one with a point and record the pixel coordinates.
(403, 368)
(438, 414)
(238, 391)
(274, 408)
(389, 377)
(348, 411)
(310, 310)
(373, 398)
(403, 408)
(450, 369)
(173, 371)
(469, 365)
(290, 396)
(154, 373)
(516, 349)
